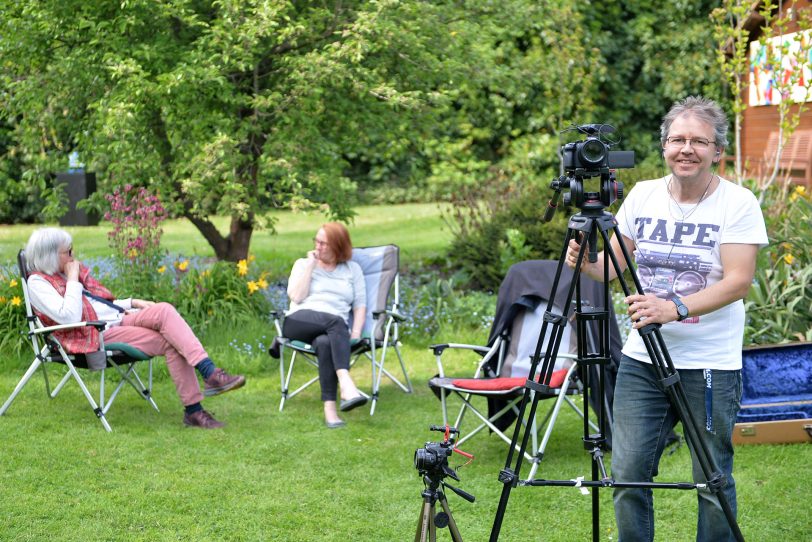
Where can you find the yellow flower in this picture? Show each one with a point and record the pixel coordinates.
(252, 286)
(162, 269)
(182, 266)
(262, 283)
(13, 283)
(799, 192)
(789, 258)
(242, 267)
(2, 299)
(133, 253)
(16, 300)
(251, 257)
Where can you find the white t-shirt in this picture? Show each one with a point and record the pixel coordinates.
(333, 292)
(678, 257)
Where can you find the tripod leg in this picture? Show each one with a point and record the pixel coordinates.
(452, 525)
(426, 531)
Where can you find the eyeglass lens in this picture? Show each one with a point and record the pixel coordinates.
(696, 142)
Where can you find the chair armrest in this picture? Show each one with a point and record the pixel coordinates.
(50, 329)
(398, 317)
(438, 349)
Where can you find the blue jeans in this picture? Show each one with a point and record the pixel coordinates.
(643, 417)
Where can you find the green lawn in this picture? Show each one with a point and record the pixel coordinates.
(272, 475)
(418, 229)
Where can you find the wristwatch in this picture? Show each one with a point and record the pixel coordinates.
(682, 310)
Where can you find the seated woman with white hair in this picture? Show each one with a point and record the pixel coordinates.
(62, 291)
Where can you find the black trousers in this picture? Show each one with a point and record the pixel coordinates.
(330, 338)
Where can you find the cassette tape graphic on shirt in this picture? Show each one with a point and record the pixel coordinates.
(678, 270)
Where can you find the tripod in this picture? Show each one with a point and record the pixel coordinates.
(428, 522)
(589, 223)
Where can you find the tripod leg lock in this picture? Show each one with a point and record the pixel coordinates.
(670, 380)
(716, 482)
(507, 476)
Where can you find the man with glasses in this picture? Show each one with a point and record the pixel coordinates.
(695, 237)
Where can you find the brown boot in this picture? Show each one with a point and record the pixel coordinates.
(221, 382)
(201, 419)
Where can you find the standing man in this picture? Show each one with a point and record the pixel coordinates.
(695, 237)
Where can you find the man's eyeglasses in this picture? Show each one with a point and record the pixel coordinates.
(319, 243)
(696, 142)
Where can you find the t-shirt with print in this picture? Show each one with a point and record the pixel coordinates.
(333, 292)
(677, 254)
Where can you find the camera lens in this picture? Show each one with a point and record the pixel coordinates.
(593, 152)
(421, 459)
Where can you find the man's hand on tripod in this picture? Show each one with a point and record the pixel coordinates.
(650, 309)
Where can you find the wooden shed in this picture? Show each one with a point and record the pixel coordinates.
(759, 138)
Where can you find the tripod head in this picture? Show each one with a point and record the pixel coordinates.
(431, 462)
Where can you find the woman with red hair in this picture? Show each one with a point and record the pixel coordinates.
(323, 288)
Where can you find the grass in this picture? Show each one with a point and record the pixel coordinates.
(272, 475)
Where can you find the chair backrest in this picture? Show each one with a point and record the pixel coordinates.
(380, 266)
(524, 336)
(520, 306)
(33, 321)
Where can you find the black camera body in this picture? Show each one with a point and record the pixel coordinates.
(432, 456)
(592, 157)
(431, 461)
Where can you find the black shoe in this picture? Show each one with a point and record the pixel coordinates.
(349, 404)
(274, 349)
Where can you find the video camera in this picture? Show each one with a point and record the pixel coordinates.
(590, 157)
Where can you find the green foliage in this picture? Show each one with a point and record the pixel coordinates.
(220, 295)
(136, 217)
(437, 307)
(12, 311)
(480, 218)
(652, 53)
(227, 108)
(779, 306)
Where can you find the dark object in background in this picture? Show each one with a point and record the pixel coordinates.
(77, 185)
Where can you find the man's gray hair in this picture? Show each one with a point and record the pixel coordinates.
(702, 108)
(42, 250)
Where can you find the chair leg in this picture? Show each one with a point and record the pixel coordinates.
(21, 384)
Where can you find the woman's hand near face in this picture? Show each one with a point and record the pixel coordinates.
(72, 270)
(312, 257)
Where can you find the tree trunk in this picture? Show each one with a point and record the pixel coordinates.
(235, 245)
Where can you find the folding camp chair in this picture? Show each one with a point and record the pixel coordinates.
(120, 357)
(505, 361)
(381, 327)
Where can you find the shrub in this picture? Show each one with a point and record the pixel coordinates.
(499, 222)
(435, 307)
(12, 311)
(224, 293)
(779, 306)
(136, 216)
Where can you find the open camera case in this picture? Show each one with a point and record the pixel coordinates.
(777, 395)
